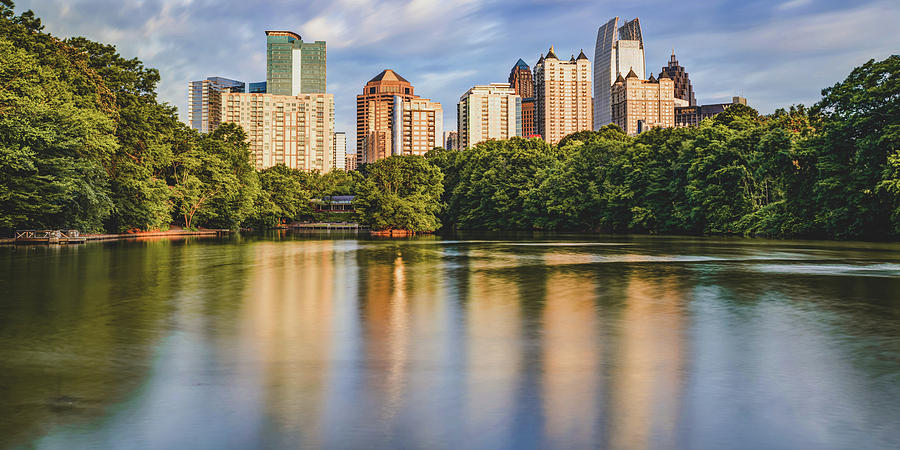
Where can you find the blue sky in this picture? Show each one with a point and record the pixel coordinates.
(775, 53)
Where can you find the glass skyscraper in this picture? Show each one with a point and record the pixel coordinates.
(292, 66)
(618, 50)
(204, 101)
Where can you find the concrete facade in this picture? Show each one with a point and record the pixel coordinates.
(418, 126)
(297, 131)
(492, 111)
(562, 96)
(340, 150)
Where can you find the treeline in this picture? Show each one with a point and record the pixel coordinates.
(830, 171)
(85, 144)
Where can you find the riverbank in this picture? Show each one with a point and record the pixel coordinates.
(141, 235)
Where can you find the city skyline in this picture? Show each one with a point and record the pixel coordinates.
(444, 48)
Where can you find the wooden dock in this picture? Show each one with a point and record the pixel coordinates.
(327, 226)
(49, 237)
(74, 237)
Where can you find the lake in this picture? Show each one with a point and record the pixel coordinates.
(457, 341)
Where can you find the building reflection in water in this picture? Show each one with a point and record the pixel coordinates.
(647, 355)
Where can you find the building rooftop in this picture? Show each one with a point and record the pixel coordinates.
(388, 75)
(283, 33)
(581, 55)
(631, 74)
(520, 64)
(550, 54)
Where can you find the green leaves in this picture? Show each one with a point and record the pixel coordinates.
(401, 192)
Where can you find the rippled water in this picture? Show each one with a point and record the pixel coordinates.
(456, 342)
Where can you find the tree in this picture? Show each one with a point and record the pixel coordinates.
(401, 192)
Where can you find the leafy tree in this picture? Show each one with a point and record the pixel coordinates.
(401, 192)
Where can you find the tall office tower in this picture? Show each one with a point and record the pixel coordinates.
(296, 131)
(340, 150)
(683, 88)
(562, 96)
(205, 101)
(639, 105)
(522, 81)
(618, 51)
(375, 115)
(418, 126)
(292, 66)
(492, 111)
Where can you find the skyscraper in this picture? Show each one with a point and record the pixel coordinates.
(562, 96)
(292, 66)
(683, 88)
(522, 81)
(375, 115)
(639, 105)
(488, 112)
(205, 101)
(618, 51)
(296, 131)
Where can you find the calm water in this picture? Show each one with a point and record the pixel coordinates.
(453, 342)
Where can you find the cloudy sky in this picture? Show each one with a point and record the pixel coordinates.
(775, 53)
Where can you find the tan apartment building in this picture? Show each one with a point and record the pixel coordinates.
(639, 105)
(492, 111)
(421, 126)
(563, 96)
(297, 131)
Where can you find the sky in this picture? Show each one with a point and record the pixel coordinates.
(774, 53)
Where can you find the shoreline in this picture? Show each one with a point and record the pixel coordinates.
(139, 235)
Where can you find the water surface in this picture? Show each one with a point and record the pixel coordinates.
(468, 341)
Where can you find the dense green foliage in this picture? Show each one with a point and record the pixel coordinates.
(84, 143)
(832, 171)
(401, 192)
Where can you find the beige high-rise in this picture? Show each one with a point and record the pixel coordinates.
(296, 131)
(488, 112)
(639, 105)
(563, 91)
(421, 126)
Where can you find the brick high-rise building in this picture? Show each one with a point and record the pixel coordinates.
(639, 105)
(488, 112)
(296, 131)
(205, 101)
(293, 66)
(683, 88)
(562, 96)
(521, 80)
(392, 120)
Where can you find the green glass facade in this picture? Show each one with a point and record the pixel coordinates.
(292, 66)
